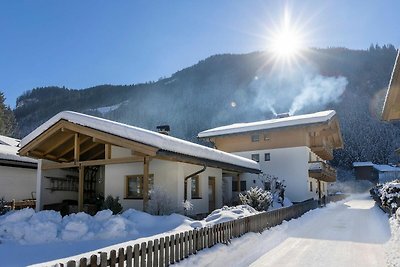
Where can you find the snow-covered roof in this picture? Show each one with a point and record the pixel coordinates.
(386, 168)
(318, 117)
(363, 164)
(378, 167)
(160, 141)
(9, 149)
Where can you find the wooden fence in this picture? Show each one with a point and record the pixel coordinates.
(174, 248)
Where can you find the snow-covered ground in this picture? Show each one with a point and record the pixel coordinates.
(352, 232)
(27, 237)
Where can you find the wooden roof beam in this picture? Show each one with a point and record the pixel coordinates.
(56, 165)
(107, 138)
(38, 140)
(57, 144)
(71, 148)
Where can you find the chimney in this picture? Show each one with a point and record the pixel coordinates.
(163, 129)
(282, 115)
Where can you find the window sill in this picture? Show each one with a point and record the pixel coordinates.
(133, 198)
(197, 198)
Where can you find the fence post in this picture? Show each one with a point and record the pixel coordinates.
(143, 254)
(121, 257)
(129, 256)
(149, 255)
(172, 249)
(113, 258)
(136, 255)
(190, 238)
(93, 261)
(167, 248)
(155, 252)
(103, 259)
(161, 255)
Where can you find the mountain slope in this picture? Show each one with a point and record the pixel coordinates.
(224, 89)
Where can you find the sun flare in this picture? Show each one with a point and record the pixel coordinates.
(287, 40)
(286, 43)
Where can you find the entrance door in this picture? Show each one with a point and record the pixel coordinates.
(211, 194)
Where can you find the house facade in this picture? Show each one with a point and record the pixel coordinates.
(17, 174)
(82, 158)
(295, 149)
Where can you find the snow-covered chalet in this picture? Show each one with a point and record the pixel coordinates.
(17, 174)
(295, 149)
(83, 157)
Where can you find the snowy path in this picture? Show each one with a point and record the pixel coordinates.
(350, 233)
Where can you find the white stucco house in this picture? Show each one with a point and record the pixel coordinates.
(81, 157)
(295, 149)
(17, 174)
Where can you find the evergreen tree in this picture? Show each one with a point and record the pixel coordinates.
(7, 119)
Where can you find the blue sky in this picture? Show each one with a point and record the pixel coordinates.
(79, 44)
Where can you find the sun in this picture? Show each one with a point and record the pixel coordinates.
(286, 44)
(286, 41)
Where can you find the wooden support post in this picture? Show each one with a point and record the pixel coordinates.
(146, 162)
(80, 189)
(238, 182)
(107, 150)
(77, 147)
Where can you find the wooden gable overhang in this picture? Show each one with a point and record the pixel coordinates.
(69, 145)
(391, 108)
(326, 137)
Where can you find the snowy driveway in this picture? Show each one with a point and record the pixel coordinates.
(349, 233)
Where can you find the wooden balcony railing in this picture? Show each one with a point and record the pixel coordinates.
(322, 171)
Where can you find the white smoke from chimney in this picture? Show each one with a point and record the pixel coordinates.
(295, 89)
(318, 90)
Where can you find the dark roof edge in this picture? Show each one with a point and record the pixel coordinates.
(18, 164)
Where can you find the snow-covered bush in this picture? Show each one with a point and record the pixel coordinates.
(112, 204)
(257, 198)
(4, 207)
(160, 202)
(390, 194)
(187, 206)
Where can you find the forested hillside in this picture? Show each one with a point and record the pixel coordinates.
(224, 89)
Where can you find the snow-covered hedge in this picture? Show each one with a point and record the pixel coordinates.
(389, 194)
(257, 198)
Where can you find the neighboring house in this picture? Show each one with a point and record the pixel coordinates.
(376, 173)
(17, 174)
(387, 173)
(82, 157)
(365, 171)
(293, 148)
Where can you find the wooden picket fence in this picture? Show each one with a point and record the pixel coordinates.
(174, 248)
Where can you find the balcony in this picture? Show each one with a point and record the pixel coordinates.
(321, 171)
(323, 152)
